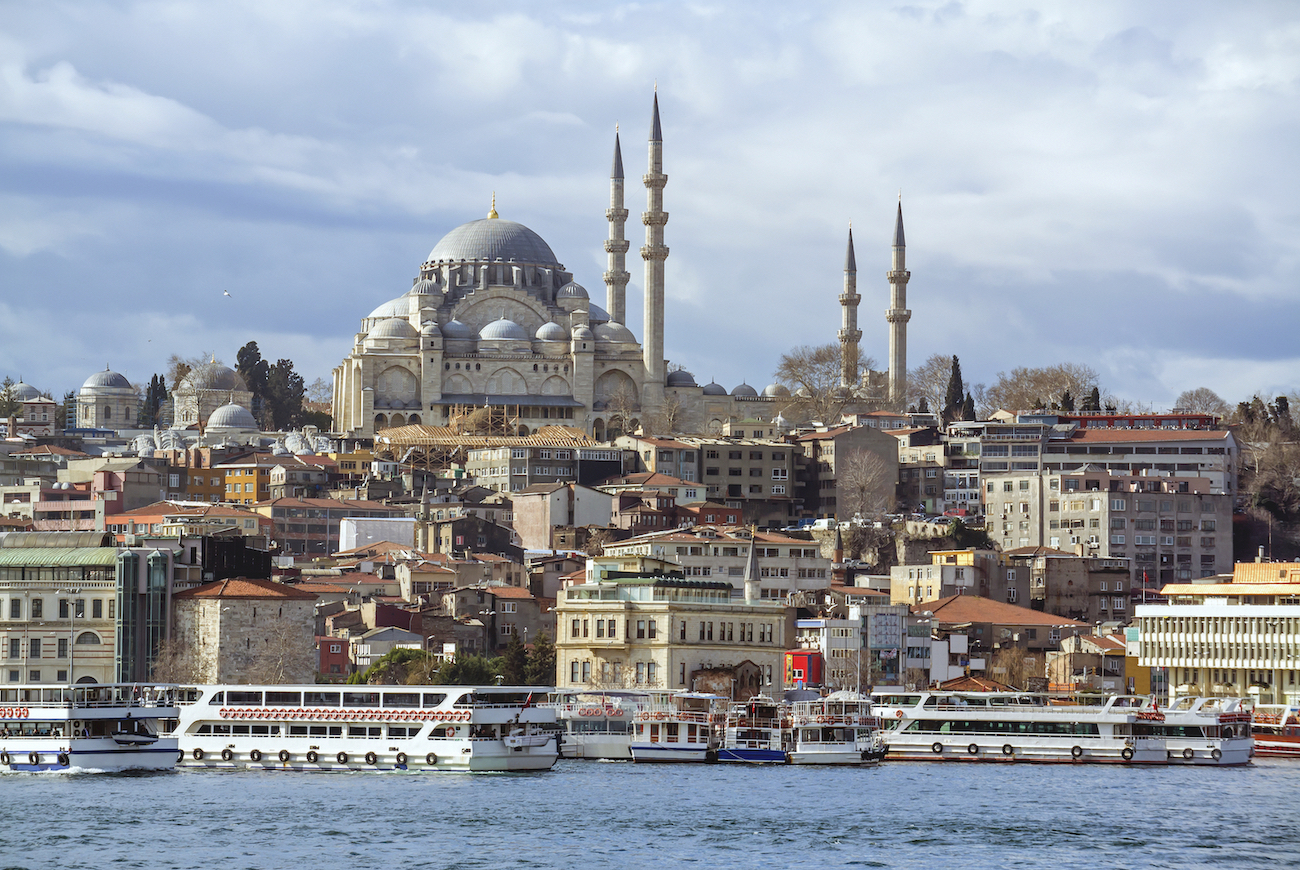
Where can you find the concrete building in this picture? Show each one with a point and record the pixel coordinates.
(958, 572)
(310, 526)
(1092, 589)
(541, 507)
(826, 481)
(513, 469)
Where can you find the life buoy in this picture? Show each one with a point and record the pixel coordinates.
(198, 754)
(4, 758)
(431, 759)
(371, 758)
(1216, 753)
(312, 757)
(1127, 753)
(284, 755)
(466, 716)
(898, 714)
(451, 731)
(1188, 753)
(227, 755)
(180, 756)
(1076, 752)
(341, 758)
(661, 716)
(255, 755)
(823, 719)
(401, 758)
(34, 757)
(63, 759)
(936, 747)
(973, 749)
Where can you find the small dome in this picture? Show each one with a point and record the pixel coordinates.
(25, 392)
(106, 378)
(456, 329)
(232, 417)
(552, 332)
(613, 331)
(680, 378)
(776, 391)
(503, 330)
(430, 329)
(423, 287)
(399, 307)
(279, 449)
(583, 333)
(746, 391)
(714, 388)
(393, 327)
(572, 290)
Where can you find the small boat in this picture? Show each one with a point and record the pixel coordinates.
(597, 724)
(1201, 731)
(95, 727)
(756, 732)
(340, 728)
(682, 726)
(837, 729)
(1276, 729)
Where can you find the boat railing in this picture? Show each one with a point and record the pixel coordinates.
(99, 695)
(673, 715)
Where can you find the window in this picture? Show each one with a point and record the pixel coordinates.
(35, 650)
(15, 608)
(573, 672)
(574, 627)
(586, 672)
(652, 632)
(640, 629)
(97, 608)
(600, 628)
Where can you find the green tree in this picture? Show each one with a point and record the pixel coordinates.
(468, 670)
(968, 409)
(154, 397)
(8, 398)
(284, 395)
(952, 401)
(1067, 402)
(514, 666)
(541, 662)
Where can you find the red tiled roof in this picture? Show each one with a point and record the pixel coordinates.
(509, 592)
(247, 588)
(973, 608)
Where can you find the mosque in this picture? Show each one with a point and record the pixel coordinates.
(494, 320)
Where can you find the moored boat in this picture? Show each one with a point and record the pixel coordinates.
(597, 725)
(681, 727)
(1276, 730)
(1200, 731)
(334, 728)
(757, 731)
(97, 727)
(837, 729)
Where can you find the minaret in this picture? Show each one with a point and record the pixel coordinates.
(616, 245)
(654, 253)
(898, 315)
(849, 332)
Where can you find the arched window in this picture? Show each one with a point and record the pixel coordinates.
(87, 637)
(108, 412)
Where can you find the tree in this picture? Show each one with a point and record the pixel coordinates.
(9, 405)
(866, 485)
(175, 662)
(955, 395)
(284, 395)
(929, 381)
(1034, 388)
(178, 367)
(515, 665)
(286, 655)
(394, 668)
(1066, 404)
(321, 391)
(154, 398)
(541, 662)
(1092, 401)
(1202, 400)
(467, 670)
(968, 409)
(812, 374)
(622, 408)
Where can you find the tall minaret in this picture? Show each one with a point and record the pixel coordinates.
(616, 245)
(898, 315)
(654, 253)
(849, 332)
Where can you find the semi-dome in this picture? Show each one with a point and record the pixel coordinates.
(393, 327)
(776, 391)
(232, 417)
(493, 239)
(613, 331)
(423, 287)
(503, 330)
(746, 391)
(572, 290)
(713, 388)
(552, 332)
(213, 376)
(106, 378)
(399, 307)
(680, 378)
(457, 329)
(596, 314)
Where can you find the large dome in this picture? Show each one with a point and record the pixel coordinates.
(106, 378)
(25, 392)
(503, 330)
(213, 376)
(493, 239)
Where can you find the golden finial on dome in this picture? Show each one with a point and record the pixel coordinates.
(492, 214)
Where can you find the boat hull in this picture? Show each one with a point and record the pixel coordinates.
(86, 755)
(845, 756)
(606, 747)
(752, 756)
(657, 752)
(1110, 751)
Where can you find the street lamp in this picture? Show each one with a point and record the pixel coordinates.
(72, 632)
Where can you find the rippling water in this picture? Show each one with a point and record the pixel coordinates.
(590, 814)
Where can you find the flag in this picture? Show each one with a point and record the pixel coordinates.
(528, 702)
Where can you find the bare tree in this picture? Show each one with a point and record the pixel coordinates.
(1202, 400)
(320, 390)
(1026, 388)
(865, 485)
(929, 381)
(285, 655)
(176, 662)
(667, 420)
(1013, 666)
(812, 374)
(623, 408)
(179, 366)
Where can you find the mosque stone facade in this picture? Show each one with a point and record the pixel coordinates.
(107, 401)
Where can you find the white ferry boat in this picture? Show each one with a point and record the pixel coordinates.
(1276, 730)
(322, 728)
(1202, 731)
(94, 727)
(597, 724)
(684, 726)
(837, 729)
(756, 732)
(1014, 727)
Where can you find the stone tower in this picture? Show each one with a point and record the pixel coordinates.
(654, 253)
(616, 276)
(898, 315)
(849, 332)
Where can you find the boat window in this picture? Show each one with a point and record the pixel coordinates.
(320, 699)
(402, 731)
(261, 730)
(317, 730)
(218, 699)
(401, 699)
(433, 699)
(360, 699)
(252, 698)
(297, 730)
(286, 699)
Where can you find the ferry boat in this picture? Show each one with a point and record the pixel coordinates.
(1014, 727)
(1201, 731)
(757, 732)
(597, 725)
(324, 728)
(683, 726)
(837, 729)
(96, 727)
(1276, 729)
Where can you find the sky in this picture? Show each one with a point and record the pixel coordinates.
(1114, 184)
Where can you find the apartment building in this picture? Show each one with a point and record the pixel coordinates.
(827, 456)
(513, 469)
(958, 572)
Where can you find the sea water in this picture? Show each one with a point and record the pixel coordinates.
(601, 815)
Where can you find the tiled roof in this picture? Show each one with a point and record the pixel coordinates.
(973, 608)
(509, 592)
(1266, 572)
(329, 503)
(1038, 551)
(246, 588)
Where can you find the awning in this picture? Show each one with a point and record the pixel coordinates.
(53, 557)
